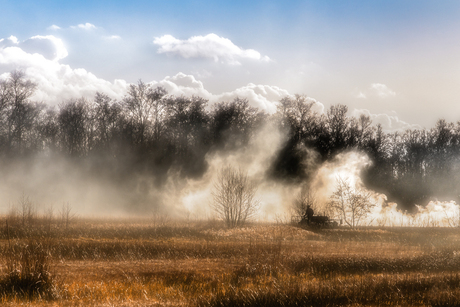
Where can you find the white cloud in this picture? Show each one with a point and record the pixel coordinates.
(55, 46)
(182, 84)
(212, 46)
(375, 90)
(87, 26)
(13, 39)
(361, 95)
(57, 82)
(54, 27)
(113, 37)
(264, 97)
(382, 90)
(389, 123)
(52, 48)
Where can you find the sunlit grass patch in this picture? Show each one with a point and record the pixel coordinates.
(103, 263)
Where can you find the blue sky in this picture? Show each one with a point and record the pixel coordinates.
(398, 61)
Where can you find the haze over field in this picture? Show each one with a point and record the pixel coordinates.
(395, 63)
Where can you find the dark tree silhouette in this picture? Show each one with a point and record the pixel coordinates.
(73, 120)
(234, 123)
(145, 108)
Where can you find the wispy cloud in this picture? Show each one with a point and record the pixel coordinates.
(378, 90)
(389, 123)
(54, 27)
(361, 95)
(87, 26)
(113, 37)
(211, 46)
(382, 90)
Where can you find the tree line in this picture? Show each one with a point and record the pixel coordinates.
(152, 133)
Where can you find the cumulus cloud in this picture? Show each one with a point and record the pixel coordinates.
(10, 41)
(87, 26)
(389, 123)
(382, 90)
(13, 39)
(56, 82)
(211, 46)
(52, 48)
(264, 97)
(49, 46)
(183, 85)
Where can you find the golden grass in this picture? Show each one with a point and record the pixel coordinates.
(124, 263)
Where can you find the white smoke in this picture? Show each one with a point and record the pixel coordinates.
(254, 159)
(349, 166)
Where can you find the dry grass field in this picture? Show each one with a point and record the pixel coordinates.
(146, 263)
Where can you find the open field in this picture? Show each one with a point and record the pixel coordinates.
(146, 263)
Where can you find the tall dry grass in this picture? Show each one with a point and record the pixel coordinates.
(26, 272)
(144, 263)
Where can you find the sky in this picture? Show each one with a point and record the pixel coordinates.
(396, 61)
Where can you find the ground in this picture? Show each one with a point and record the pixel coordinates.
(202, 263)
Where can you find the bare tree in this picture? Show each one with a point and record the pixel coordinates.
(49, 216)
(27, 210)
(17, 114)
(351, 205)
(67, 214)
(73, 125)
(107, 114)
(145, 107)
(234, 197)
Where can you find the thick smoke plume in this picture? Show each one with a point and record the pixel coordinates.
(350, 166)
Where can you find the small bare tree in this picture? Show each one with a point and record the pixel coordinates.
(27, 210)
(49, 216)
(349, 204)
(67, 214)
(234, 197)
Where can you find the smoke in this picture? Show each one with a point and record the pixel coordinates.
(58, 180)
(53, 182)
(349, 166)
(255, 159)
